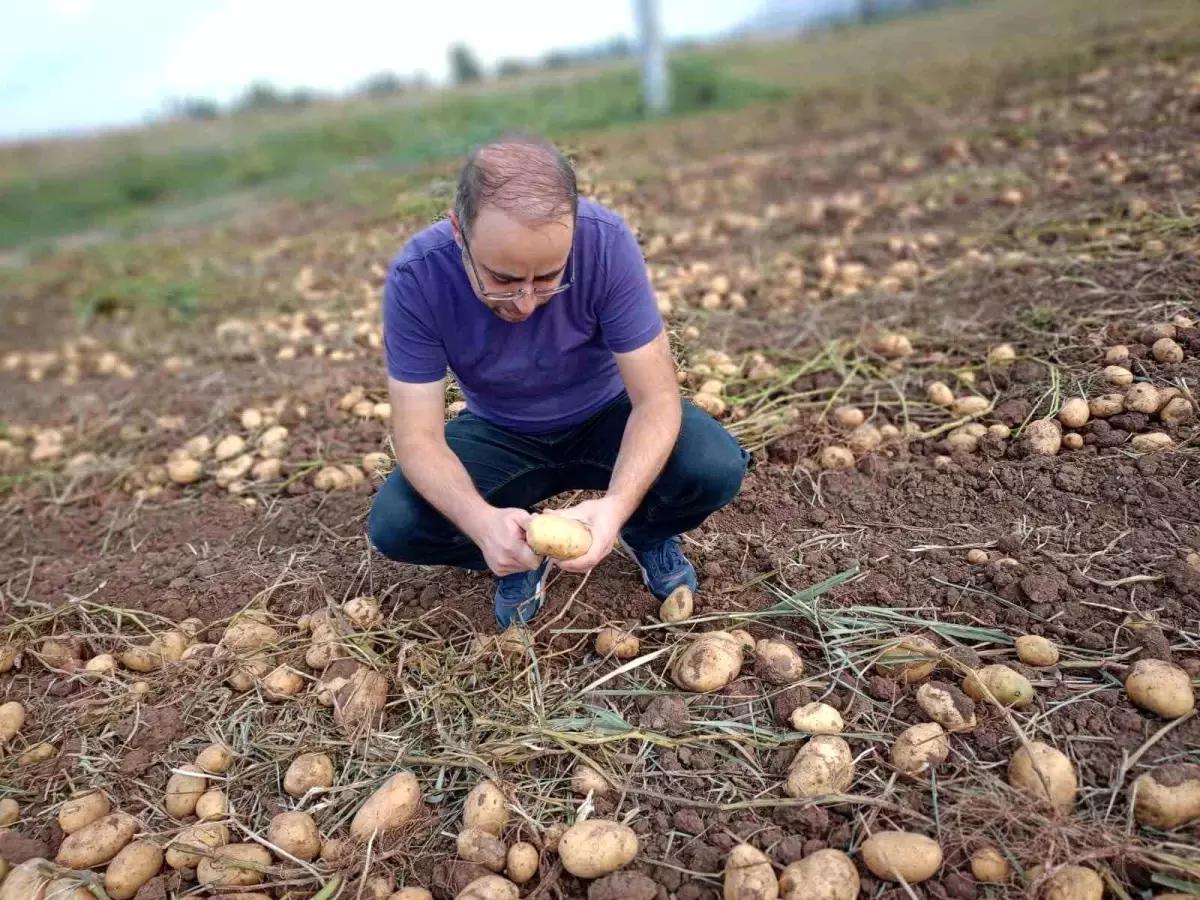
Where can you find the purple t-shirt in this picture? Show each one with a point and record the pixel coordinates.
(551, 371)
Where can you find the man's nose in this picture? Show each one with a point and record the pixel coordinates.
(526, 301)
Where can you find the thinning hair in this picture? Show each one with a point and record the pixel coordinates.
(522, 174)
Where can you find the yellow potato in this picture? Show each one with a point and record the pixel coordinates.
(308, 771)
(170, 645)
(81, 811)
(835, 457)
(552, 836)
(597, 847)
(247, 672)
(393, 804)
(215, 758)
(67, 889)
(1143, 397)
(1008, 687)
(363, 612)
(708, 663)
(988, 866)
(777, 662)
(295, 833)
(8, 657)
(212, 805)
(411, 893)
(184, 790)
(491, 887)
(824, 765)
(184, 470)
(1074, 413)
(235, 865)
(193, 843)
(617, 642)
(558, 537)
(10, 811)
(1073, 883)
(920, 748)
(824, 875)
(748, 875)
(327, 638)
(28, 881)
(522, 862)
(948, 706)
(892, 855)
(893, 346)
(486, 808)
(939, 394)
(247, 634)
(359, 704)
(969, 405)
(1106, 406)
(38, 753)
(1046, 773)
(1036, 651)
(282, 683)
(1168, 796)
(477, 846)
(678, 606)
(817, 718)
(12, 719)
(908, 659)
(1002, 355)
(140, 659)
(1160, 687)
(136, 864)
(96, 843)
(585, 780)
(1043, 437)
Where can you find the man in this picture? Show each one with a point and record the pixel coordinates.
(541, 305)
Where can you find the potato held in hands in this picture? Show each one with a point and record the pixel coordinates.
(558, 537)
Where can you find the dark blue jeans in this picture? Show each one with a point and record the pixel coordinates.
(510, 469)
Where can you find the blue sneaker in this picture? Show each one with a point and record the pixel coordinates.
(664, 567)
(519, 596)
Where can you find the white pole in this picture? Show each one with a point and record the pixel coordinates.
(656, 86)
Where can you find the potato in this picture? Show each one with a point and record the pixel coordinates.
(246, 672)
(306, 772)
(744, 639)
(617, 642)
(962, 440)
(1073, 883)
(1143, 397)
(248, 633)
(197, 446)
(228, 447)
(1152, 333)
(194, 842)
(282, 683)
(1167, 351)
(557, 537)
(836, 457)
(411, 893)
(939, 394)
(1074, 413)
(824, 875)
(552, 835)
(817, 718)
(363, 613)
(8, 657)
(678, 606)
(777, 662)
(1118, 375)
(215, 758)
(1168, 796)
(1176, 411)
(212, 805)
(1043, 437)
(491, 887)
(1010, 688)
(522, 862)
(920, 748)
(1151, 442)
(848, 416)
(969, 405)
(184, 470)
(376, 463)
(708, 663)
(331, 478)
(597, 847)
(896, 855)
(586, 780)
(10, 811)
(38, 753)
(824, 765)
(709, 403)
(234, 865)
(68, 889)
(988, 866)
(60, 654)
(360, 703)
(947, 706)
(477, 846)
(28, 881)
(295, 833)
(184, 790)
(486, 808)
(12, 720)
(908, 659)
(1161, 688)
(393, 804)
(80, 812)
(1106, 406)
(1116, 355)
(96, 843)
(136, 864)
(1073, 441)
(376, 887)
(1046, 773)
(1036, 651)
(893, 346)
(1001, 356)
(977, 557)
(748, 875)
(999, 430)
(326, 646)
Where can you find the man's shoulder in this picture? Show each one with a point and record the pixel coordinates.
(600, 216)
(434, 243)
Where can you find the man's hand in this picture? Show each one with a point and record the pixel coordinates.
(501, 537)
(604, 519)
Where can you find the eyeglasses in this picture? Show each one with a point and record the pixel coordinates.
(540, 293)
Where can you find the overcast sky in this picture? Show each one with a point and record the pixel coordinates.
(67, 65)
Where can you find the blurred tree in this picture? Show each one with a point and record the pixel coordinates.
(464, 65)
(198, 108)
(381, 84)
(510, 67)
(556, 59)
(261, 95)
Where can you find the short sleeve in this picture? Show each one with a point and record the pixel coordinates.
(412, 347)
(628, 312)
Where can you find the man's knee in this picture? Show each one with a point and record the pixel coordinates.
(711, 465)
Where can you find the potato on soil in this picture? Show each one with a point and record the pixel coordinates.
(1073, 883)
(817, 718)
(1009, 687)
(1043, 437)
(1167, 351)
(191, 844)
(1168, 796)
(376, 463)
(248, 633)
(184, 790)
(411, 893)
(12, 720)
(81, 811)
(824, 875)
(678, 606)
(558, 537)
(477, 846)
(96, 843)
(1002, 355)
(295, 833)
(363, 612)
(920, 748)
(710, 403)
(848, 416)
(708, 663)
(1176, 411)
(777, 662)
(393, 804)
(235, 865)
(939, 394)
(184, 471)
(38, 753)
(8, 656)
(988, 866)
(1117, 355)
(361, 701)
(1161, 688)
(1142, 397)
(585, 780)
(28, 881)
(1074, 413)
(744, 638)
(308, 771)
(10, 812)
(136, 864)
(1072, 441)
(326, 645)
(824, 765)
(969, 405)
(486, 808)
(1046, 773)
(835, 457)
(892, 855)
(617, 642)
(521, 863)
(1037, 651)
(1118, 375)
(1151, 442)
(491, 887)
(212, 804)
(60, 654)
(215, 759)
(893, 346)
(908, 659)
(749, 876)
(597, 847)
(282, 683)
(1106, 406)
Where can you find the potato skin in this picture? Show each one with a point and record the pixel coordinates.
(988, 866)
(79, 812)
(393, 804)
(892, 854)
(521, 863)
(825, 875)
(817, 718)
(824, 765)
(213, 870)
(749, 876)
(96, 843)
(492, 887)
(908, 659)
(558, 537)
(1056, 769)
(203, 837)
(1008, 686)
(184, 790)
(361, 701)
(308, 770)
(12, 717)
(215, 758)
(709, 663)
(597, 847)
(1168, 796)
(477, 846)
(28, 881)
(136, 864)
(486, 808)
(920, 748)
(617, 642)
(1073, 883)
(295, 833)
(678, 606)
(1161, 688)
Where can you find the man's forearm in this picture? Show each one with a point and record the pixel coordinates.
(440, 477)
(649, 438)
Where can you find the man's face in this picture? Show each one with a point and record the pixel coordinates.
(511, 255)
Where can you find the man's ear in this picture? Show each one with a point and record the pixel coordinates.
(454, 225)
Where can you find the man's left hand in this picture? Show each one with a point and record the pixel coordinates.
(603, 518)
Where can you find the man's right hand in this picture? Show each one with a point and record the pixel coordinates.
(501, 537)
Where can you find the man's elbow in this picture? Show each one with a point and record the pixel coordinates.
(414, 445)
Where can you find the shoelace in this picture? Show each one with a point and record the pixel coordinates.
(664, 559)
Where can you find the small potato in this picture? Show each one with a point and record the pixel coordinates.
(376, 463)
(597, 847)
(364, 613)
(295, 833)
(185, 470)
(710, 403)
(193, 843)
(817, 718)
(136, 864)
(393, 804)
(908, 659)
(864, 438)
(490, 887)
(212, 805)
(1143, 397)
(920, 748)
(1037, 651)
(744, 639)
(184, 790)
(962, 440)
(977, 557)
(477, 846)
(848, 416)
(1176, 411)
(1046, 773)
(948, 706)
(60, 654)
(247, 634)
(331, 478)
(777, 662)
(1152, 333)
(893, 346)
(558, 537)
(988, 866)
(282, 683)
(1167, 351)
(678, 606)
(827, 874)
(306, 772)
(38, 753)
(327, 641)
(10, 812)
(522, 862)
(617, 642)
(1117, 355)
(836, 457)
(360, 703)
(80, 812)
(12, 720)
(824, 765)
(8, 657)
(586, 780)
(709, 663)
(1073, 883)
(1118, 375)
(1074, 413)
(228, 447)
(1106, 406)
(215, 759)
(748, 875)
(1072, 441)
(96, 843)
(1161, 688)
(1043, 437)
(235, 865)
(411, 893)
(896, 855)
(969, 405)
(486, 808)
(1008, 687)
(939, 394)
(1002, 356)
(1167, 797)
(1151, 442)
